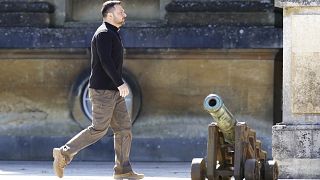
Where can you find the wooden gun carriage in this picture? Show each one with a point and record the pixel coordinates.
(232, 149)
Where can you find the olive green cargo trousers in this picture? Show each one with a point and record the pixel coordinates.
(108, 109)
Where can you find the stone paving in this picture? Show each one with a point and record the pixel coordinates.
(42, 170)
(31, 170)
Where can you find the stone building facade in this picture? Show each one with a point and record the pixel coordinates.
(177, 52)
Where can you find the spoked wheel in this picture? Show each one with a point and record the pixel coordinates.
(251, 170)
(271, 170)
(198, 169)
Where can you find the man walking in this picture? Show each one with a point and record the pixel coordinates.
(107, 92)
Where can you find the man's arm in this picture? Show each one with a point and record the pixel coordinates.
(104, 47)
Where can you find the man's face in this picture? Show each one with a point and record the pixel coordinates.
(119, 16)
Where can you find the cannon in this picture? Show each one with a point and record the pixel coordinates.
(232, 149)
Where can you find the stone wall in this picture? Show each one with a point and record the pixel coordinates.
(36, 86)
(218, 13)
(35, 89)
(176, 65)
(174, 84)
(175, 12)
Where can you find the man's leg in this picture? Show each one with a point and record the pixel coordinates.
(121, 126)
(103, 103)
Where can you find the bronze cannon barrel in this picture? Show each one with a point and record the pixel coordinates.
(222, 116)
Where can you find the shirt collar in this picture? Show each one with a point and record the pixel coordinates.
(111, 27)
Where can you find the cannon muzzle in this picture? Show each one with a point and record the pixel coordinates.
(222, 116)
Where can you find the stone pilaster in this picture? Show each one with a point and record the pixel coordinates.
(296, 141)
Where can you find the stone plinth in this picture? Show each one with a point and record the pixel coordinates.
(297, 150)
(296, 144)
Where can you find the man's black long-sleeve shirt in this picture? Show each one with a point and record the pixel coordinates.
(106, 58)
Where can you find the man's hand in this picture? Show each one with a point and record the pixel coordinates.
(124, 90)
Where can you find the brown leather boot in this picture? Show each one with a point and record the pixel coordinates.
(130, 175)
(59, 162)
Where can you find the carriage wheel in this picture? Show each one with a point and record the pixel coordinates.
(271, 170)
(251, 170)
(198, 169)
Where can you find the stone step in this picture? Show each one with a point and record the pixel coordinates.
(210, 12)
(25, 14)
(24, 19)
(24, 6)
(226, 37)
(219, 6)
(226, 18)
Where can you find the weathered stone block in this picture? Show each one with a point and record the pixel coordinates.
(207, 12)
(24, 19)
(316, 146)
(305, 63)
(25, 14)
(292, 3)
(299, 169)
(281, 147)
(218, 6)
(295, 141)
(146, 37)
(303, 143)
(296, 148)
(24, 6)
(223, 18)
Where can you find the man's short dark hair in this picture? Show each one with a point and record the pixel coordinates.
(107, 6)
